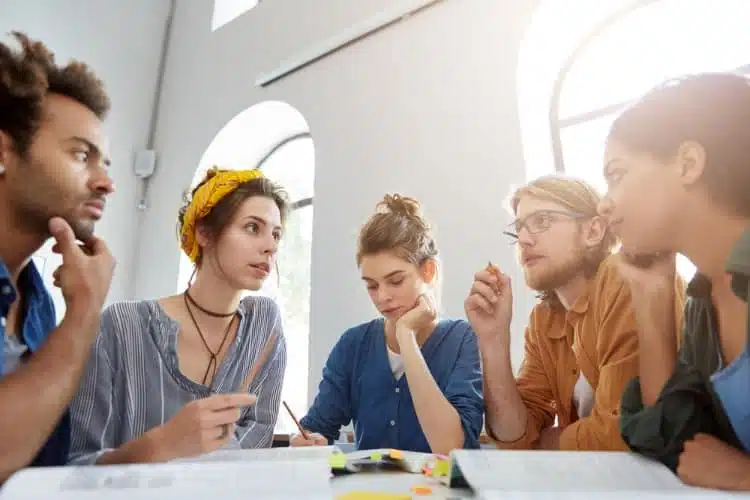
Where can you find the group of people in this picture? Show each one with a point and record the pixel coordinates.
(618, 352)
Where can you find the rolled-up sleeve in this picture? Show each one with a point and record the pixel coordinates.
(92, 408)
(464, 390)
(536, 394)
(332, 407)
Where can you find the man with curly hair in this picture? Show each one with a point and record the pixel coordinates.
(53, 183)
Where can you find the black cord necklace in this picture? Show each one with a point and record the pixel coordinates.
(206, 311)
(213, 362)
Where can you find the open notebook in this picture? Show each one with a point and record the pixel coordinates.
(495, 474)
(276, 473)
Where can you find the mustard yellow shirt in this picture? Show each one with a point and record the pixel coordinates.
(597, 337)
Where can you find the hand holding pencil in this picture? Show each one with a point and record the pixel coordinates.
(305, 437)
(489, 306)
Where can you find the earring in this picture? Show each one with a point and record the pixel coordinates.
(2, 169)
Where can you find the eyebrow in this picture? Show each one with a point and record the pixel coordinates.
(93, 147)
(389, 275)
(260, 220)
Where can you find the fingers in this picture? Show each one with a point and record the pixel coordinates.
(96, 246)
(476, 302)
(484, 290)
(313, 439)
(225, 401)
(217, 418)
(64, 237)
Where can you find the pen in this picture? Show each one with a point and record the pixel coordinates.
(301, 430)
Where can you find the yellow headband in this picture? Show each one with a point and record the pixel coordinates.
(220, 184)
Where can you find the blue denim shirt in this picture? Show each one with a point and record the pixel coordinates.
(38, 321)
(358, 385)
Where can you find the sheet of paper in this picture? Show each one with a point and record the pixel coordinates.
(285, 453)
(557, 471)
(278, 479)
(610, 495)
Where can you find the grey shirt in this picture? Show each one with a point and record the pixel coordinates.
(132, 382)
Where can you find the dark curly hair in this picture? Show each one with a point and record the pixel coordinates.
(28, 75)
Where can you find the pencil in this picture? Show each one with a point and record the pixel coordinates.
(492, 268)
(301, 430)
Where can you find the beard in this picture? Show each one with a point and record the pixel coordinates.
(552, 277)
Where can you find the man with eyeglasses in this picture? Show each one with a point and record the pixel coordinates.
(581, 343)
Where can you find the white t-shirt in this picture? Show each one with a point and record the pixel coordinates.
(583, 397)
(397, 364)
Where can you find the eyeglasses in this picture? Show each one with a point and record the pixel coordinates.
(539, 221)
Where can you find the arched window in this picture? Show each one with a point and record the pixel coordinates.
(578, 71)
(274, 137)
(228, 10)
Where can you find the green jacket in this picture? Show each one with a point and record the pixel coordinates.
(687, 404)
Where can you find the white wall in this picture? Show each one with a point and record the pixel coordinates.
(427, 108)
(121, 41)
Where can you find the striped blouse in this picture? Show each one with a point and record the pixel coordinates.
(132, 382)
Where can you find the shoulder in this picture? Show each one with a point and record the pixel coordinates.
(456, 327)
(127, 312)
(262, 309)
(361, 332)
(608, 275)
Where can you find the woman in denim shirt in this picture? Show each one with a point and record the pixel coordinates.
(408, 380)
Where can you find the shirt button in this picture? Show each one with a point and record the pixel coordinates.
(393, 423)
(2, 322)
(398, 390)
(6, 290)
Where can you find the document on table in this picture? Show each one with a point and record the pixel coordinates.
(320, 453)
(492, 472)
(228, 480)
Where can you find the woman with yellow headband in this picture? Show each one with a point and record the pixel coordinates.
(202, 370)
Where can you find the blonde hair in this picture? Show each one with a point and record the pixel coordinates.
(577, 196)
(398, 226)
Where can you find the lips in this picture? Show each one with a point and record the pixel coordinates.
(262, 266)
(527, 259)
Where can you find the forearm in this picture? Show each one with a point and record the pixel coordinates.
(505, 411)
(439, 420)
(36, 395)
(657, 340)
(143, 449)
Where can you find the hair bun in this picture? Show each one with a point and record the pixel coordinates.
(400, 205)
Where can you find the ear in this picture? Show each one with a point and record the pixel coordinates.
(429, 270)
(6, 147)
(690, 162)
(597, 228)
(202, 235)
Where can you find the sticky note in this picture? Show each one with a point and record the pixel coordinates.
(442, 468)
(422, 490)
(337, 461)
(377, 456)
(372, 495)
(397, 454)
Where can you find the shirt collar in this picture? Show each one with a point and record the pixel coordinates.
(38, 308)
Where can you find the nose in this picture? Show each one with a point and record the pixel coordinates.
(605, 206)
(101, 183)
(382, 296)
(271, 245)
(525, 238)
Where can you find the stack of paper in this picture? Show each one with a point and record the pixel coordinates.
(557, 475)
(228, 480)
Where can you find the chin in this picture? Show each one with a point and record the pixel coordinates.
(82, 229)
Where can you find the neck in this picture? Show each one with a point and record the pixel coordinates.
(710, 254)
(213, 293)
(17, 241)
(570, 291)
